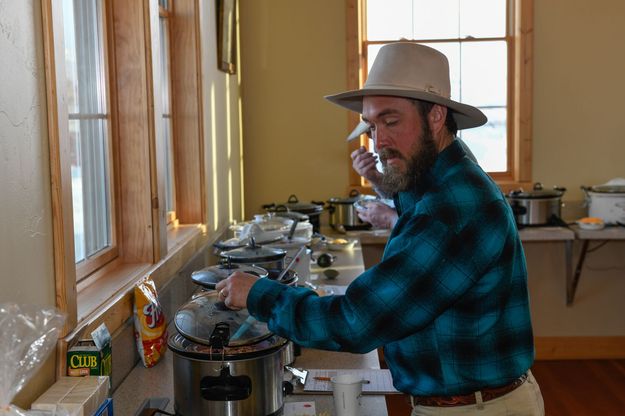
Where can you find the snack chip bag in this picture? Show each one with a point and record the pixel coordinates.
(150, 325)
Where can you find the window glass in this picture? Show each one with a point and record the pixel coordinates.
(166, 120)
(484, 73)
(389, 19)
(478, 67)
(482, 18)
(438, 19)
(88, 126)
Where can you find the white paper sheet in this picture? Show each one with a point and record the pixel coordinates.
(379, 381)
(299, 409)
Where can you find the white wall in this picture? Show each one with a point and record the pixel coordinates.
(26, 262)
(222, 130)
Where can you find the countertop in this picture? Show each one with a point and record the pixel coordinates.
(157, 382)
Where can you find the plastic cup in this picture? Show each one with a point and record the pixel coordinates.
(347, 389)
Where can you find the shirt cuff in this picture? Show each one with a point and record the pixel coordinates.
(262, 297)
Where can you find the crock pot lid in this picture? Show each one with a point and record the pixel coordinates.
(608, 189)
(255, 254)
(196, 320)
(536, 194)
(354, 196)
(213, 274)
(186, 347)
(301, 207)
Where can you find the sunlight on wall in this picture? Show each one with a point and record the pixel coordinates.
(229, 151)
(240, 104)
(214, 159)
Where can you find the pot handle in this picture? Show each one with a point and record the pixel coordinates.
(292, 199)
(586, 189)
(220, 336)
(225, 387)
(354, 192)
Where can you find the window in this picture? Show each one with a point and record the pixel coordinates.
(107, 112)
(488, 45)
(89, 132)
(165, 14)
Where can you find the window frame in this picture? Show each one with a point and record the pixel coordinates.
(146, 245)
(520, 77)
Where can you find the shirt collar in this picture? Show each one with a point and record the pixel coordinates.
(450, 156)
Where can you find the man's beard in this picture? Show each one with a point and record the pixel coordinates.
(423, 157)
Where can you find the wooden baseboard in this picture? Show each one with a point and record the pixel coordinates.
(579, 348)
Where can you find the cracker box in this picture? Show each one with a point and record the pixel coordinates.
(91, 356)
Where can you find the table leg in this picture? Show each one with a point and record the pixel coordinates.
(573, 280)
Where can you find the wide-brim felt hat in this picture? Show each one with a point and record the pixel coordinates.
(410, 70)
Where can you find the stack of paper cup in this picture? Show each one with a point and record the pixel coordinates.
(347, 389)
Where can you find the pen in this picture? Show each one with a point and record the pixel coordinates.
(319, 378)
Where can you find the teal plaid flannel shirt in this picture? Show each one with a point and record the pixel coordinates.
(448, 302)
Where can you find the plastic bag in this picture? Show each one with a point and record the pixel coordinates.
(150, 327)
(27, 336)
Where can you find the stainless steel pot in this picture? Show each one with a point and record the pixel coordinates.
(537, 207)
(343, 213)
(225, 362)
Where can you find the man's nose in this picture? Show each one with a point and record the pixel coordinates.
(380, 139)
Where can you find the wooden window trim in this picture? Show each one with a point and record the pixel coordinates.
(145, 240)
(519, 86)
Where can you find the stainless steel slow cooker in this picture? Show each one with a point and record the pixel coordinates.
(225, 361)
(343, 213)
(538, 206)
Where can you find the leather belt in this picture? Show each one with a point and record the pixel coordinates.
(467, 399)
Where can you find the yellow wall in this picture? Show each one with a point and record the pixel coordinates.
(579, 92)
(293, 53)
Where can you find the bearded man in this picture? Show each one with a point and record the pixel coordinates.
(448, 301)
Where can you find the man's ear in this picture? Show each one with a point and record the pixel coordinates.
(436, 118)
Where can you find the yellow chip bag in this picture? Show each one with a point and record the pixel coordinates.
(150, 325)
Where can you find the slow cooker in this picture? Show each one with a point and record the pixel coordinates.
(225, 362)
(607, 201)
(344, 215)
(538, 206)
(312, 209)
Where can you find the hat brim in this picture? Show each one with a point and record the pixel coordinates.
(466, 116)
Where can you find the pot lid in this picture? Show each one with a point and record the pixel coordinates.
(206, 320)
(254, 254)
(608, 189)
(210, 276)
(294, 205)
(537, 193)
(354, 196)
(292, 243)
